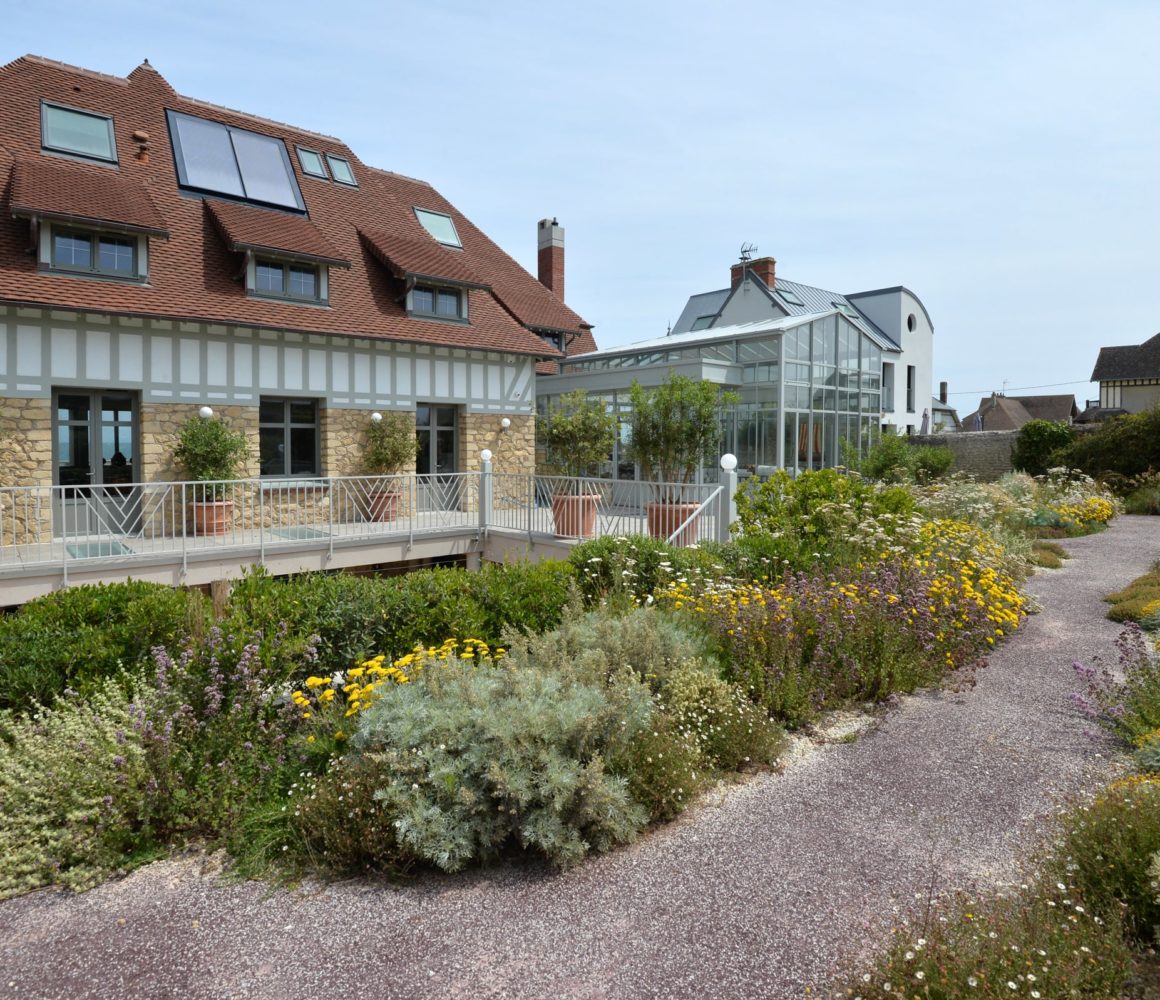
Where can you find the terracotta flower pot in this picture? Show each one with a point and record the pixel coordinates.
(665, 518)
(574, 514)
(383, 505)
(212, 517)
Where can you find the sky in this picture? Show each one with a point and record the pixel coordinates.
(999, 159)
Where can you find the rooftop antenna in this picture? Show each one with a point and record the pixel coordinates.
(1005, 386)
(747, 252)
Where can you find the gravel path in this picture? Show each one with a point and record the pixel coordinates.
(754, 894)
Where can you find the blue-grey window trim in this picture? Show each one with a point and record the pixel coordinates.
(458, 245)
(285, 296)
(324, 176)
(183, 179)
(461, 293)
(287, 425)
(329, 157)
(94, 236)
(60, 151)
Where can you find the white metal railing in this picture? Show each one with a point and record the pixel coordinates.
(67, 525)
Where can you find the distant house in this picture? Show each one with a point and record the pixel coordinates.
(1129, 377)
(1008, 413)
(158, 253)
(944, 418)
(815, 372)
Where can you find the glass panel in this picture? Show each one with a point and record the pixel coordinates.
(446, 416)
(272, 451)
(73, 408)
(78, 132)
(72, 455)
(422, 300)
(311, 163)
(303, 411)
(448, 304)
(304, 282)
(271, 411)
(341, 171)
(439, 226)
(423, 458)
(444, 451)
(205, 156)
(265, 169)
(269, 277)
(702, 323)
(303, 448)
(116, 256)
(69, 250)
(423, 415)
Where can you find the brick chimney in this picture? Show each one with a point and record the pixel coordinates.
(550, 240)
(763, 267)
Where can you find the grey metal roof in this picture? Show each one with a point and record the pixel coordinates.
(1115, 363)
(705, 304)
(815, 300)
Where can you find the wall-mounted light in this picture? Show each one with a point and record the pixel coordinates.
(376, 417)
(206, 413)
(505, 424)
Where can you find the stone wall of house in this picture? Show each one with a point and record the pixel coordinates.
(513, 450)
(985, 455)
(161, 425)
(25, 460)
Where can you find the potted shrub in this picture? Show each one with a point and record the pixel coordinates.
(675, 429)
(579, 434)
(211, 452)
(390, 449)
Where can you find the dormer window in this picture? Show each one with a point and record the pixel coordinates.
(440, 226)
(432, 302)
(91, 253)
(77, 133)
(283, 279)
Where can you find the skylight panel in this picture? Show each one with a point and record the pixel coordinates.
(440, 226)
(81, 133)
(791, 297)
(311, 163)
(847, 310)
(340, 170)
(218, 159)
(702, 323)
(265, 171)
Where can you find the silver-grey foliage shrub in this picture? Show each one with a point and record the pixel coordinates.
(474, 758)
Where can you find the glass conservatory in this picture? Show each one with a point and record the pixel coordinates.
(805, 385)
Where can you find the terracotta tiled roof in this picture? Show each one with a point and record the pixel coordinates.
(247, 228)
(59, 189)
(421, 258)
(192, 275)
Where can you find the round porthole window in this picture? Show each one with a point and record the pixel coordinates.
(911, 322)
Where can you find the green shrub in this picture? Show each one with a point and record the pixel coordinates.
(1126, 700)
(597, 645)
(473, 759)
(1040, 942)
(1127, 445)
(75, 795)
(357, 616)
(1105, 848)
(77, 638)
(728, 729)
(627, 567)
(663, 766)
(1039, 446)
(822, 519)
(893, 459)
